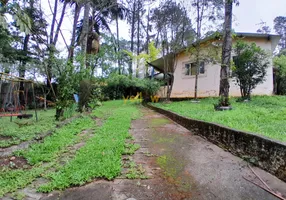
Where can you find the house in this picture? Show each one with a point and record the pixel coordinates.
(182, 66)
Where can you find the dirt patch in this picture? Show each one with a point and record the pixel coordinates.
(5, 138)
(14, 162)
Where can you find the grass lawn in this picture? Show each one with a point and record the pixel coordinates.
(265, 115)
(25, 129)
(100, 157)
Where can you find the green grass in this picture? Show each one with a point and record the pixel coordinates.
(47, 151)
(63, 137)
(25, 129)
(265, 115)
(101, 156)
(11, 180)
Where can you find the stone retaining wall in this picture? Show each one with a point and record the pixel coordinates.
(268, 154)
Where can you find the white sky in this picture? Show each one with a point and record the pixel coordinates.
(251, 12)
(247, 16)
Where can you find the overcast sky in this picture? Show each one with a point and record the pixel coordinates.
(251, 12)
(247, 16)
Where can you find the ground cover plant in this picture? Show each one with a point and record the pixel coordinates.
(105, 149)
(263, 115)
(47, 151)
(105, 145)
(25, 129)
(36, 154)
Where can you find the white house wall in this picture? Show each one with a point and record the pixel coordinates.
(208, 83)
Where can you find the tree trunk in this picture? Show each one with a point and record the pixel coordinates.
(198, 47)
(147, 32)
(75, 20)
(60, 23)
(132, 36)
(53, 21)
(147, 40)
(45, 102)
(22, 71)
(226, 56)
(118, 46)
(51, 46)
(138, 37)
(84, 32)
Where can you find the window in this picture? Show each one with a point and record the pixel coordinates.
(191, 68)
(187, 68)
(202, 67)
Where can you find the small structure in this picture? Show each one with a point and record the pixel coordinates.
(10, 92)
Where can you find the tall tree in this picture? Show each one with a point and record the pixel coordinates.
(205, 10)
(77, 8)
(85, 30)
(174, 31)
(36, 35)
(118, 12)
(263, 28)
(226, 55)
(54, 34)
(280, 28)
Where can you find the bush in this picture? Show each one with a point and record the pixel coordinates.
(117, 86)
(250, 67)
(280, 74)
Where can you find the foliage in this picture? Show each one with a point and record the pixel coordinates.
(25, 129)
(68, 80)
(21, 18)
(118, 86)
(135, 171)
(94, 103)
(48, 151)
(263, 115)
(251, 63)
(280, 28)
(264, 29)
(61, 138)
(130, 148)
(280, 74)
(70, 111)
(173, 25)
(105, 149)
(145, 58)
(11, 180)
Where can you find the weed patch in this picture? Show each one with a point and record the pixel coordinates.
(135, 171)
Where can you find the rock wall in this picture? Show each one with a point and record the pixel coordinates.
(266, 153)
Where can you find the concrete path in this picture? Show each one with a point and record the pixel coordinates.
(180, 166)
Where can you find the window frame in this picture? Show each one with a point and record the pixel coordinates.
(189, 70)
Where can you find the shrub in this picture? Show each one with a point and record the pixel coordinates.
(250, 64)
(280, 74)
(118, 86)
